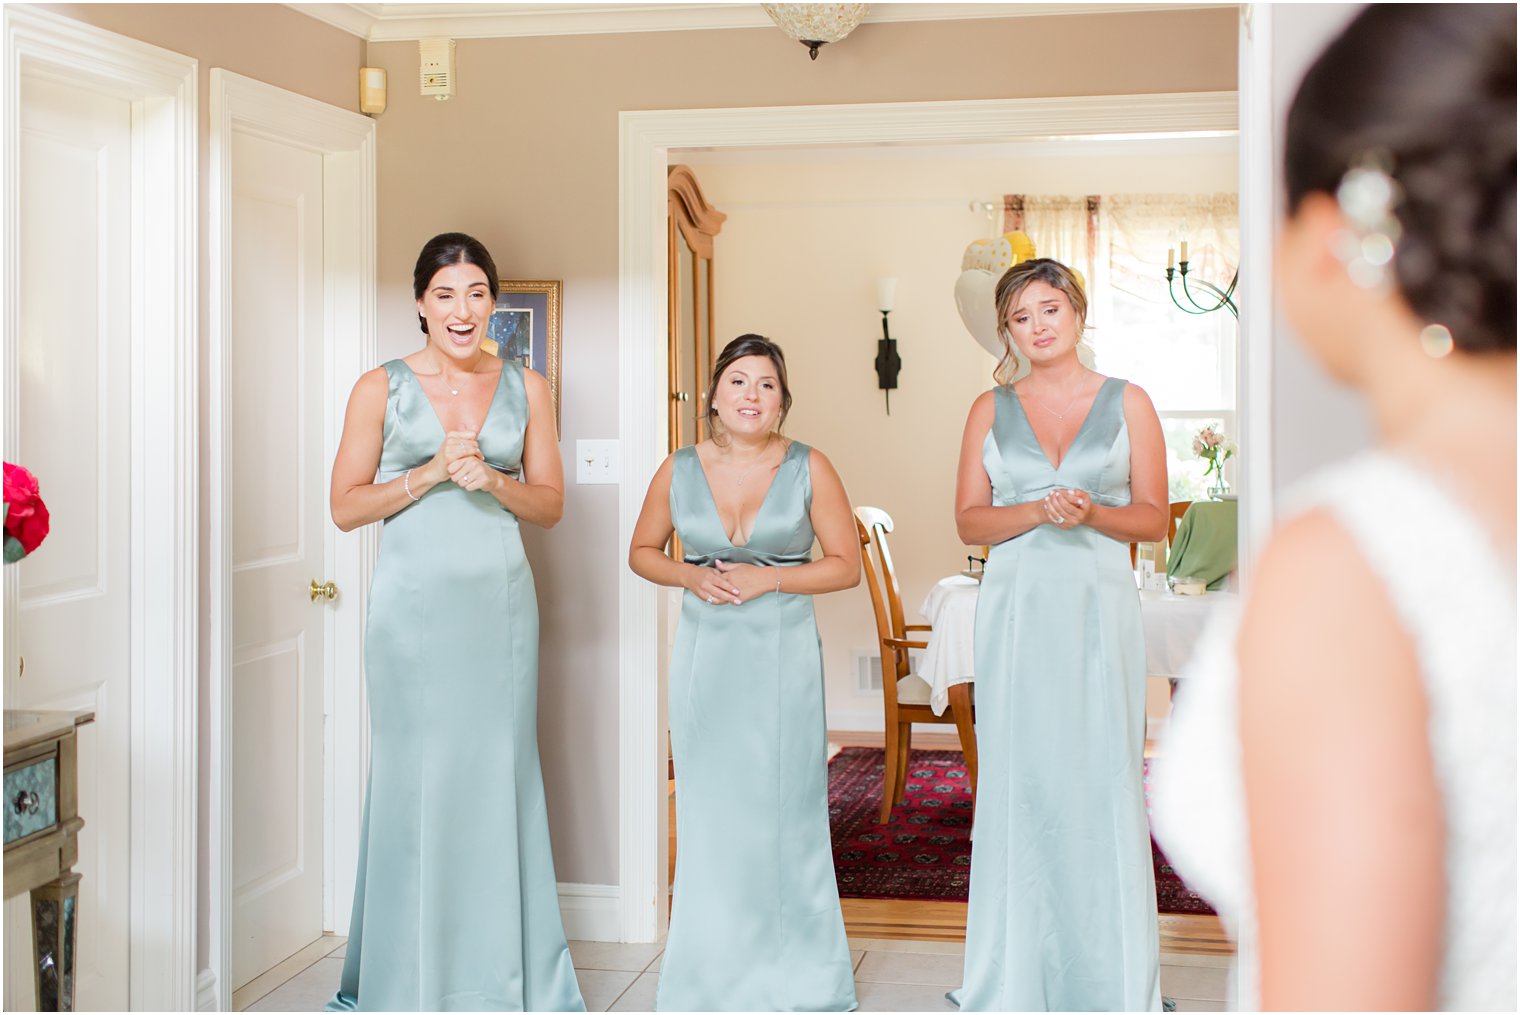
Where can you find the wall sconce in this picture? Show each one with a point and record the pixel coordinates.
(888, 363)
(371, 90)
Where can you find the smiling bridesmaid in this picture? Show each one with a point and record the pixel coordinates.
(453, 450)
(755, 923)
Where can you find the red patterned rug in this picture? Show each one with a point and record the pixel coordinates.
(925, 851)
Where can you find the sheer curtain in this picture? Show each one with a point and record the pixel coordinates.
(1065, 228)
(1139, 228)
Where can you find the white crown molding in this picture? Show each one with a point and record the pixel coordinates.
(406, 22)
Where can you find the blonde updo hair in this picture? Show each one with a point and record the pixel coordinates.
(1006, 296)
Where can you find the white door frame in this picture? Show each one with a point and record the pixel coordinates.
(161, 86)
(645, 139)
(1259, 186)
(346, 142)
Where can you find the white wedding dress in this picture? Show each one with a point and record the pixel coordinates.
(1461, 618)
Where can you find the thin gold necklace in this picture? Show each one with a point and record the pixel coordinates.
(756, 463)
(1058, 415)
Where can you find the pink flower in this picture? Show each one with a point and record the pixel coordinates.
(26, 516)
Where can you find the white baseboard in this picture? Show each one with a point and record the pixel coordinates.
(205, 992)
(591, 912)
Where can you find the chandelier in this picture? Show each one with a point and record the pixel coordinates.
(1223, 299)
(813, 25)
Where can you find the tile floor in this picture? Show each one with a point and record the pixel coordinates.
(889, 976)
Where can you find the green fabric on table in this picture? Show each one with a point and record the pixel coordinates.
(1206, 543)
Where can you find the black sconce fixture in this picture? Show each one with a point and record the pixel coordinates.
(888, 363)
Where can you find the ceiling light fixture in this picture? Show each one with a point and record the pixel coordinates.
(816, 24)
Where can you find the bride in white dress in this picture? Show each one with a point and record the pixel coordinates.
(1341, 776)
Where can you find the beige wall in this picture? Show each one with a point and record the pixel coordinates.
(525, 157)
(797, 261)
(273, 44)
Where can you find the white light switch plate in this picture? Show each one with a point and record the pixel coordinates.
(596, 462)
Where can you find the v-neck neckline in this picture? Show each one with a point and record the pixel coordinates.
(713, 500)
(438, 418)
(1081, 429)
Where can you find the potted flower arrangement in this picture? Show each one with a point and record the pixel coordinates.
(1213, 447)
(25, 515)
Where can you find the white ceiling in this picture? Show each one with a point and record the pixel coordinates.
(399, 22)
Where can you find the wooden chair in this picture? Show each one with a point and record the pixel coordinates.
(1177, 509)
(904, 695)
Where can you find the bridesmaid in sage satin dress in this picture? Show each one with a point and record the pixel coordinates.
(1059, 472)
(455, 907)
(755, 923)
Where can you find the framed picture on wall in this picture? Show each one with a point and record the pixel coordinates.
(525, 328)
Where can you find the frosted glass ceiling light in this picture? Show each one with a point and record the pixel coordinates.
(815, 24)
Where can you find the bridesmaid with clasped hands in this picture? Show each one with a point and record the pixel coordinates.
(755, 923)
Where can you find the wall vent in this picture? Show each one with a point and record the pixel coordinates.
(867, 673)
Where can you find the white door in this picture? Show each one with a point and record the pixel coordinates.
(73, 610)
(278, 519)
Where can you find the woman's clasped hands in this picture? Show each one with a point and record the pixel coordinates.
(1066, 509)
(461, 461)
(731, 583)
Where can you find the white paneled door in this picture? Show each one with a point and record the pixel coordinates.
(278, 513)
(73, 610)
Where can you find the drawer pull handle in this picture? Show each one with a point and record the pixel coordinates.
(27, 802)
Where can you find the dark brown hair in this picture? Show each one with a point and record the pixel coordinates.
(748, 345)
(1428, 89)
(1012, 285)
(446, 249)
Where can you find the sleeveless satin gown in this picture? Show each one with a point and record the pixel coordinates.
(755, 923)
(1062, 910)
(456, 906)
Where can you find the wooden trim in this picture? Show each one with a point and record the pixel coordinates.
(672, 332)
(697, 219)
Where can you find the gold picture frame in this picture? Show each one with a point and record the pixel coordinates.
(525, 327)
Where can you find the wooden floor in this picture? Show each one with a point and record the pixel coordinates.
(893, 919)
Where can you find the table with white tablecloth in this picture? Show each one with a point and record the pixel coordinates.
(1172, 626)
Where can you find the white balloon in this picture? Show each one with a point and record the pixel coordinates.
(973, 298)
(988, 255)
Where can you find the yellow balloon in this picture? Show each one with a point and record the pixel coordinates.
(1020, 246)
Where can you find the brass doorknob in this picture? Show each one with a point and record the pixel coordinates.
(320, 591)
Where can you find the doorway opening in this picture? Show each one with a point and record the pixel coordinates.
(808, 232)
(648, 142)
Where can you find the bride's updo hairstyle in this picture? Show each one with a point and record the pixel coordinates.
(446, 249)
(1426, 92)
